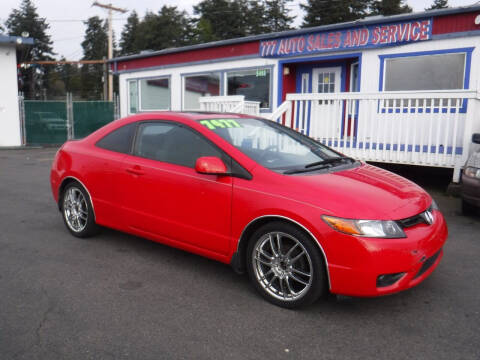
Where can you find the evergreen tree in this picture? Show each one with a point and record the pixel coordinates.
(324, 12)
(276, 15)
(255, 20)
(27, 20)
(169, 28)
(227, 19)
(95, 47)
(438, 4)
(390, 7)
(128, 41)
(70, 75)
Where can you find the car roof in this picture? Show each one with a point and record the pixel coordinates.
(187, 115)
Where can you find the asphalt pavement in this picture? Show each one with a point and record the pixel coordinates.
(116, 296)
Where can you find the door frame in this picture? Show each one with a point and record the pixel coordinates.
(335, 69)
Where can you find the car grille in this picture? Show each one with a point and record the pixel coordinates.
(428, 263)
(414, 220)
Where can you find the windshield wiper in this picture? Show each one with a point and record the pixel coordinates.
(329, 161)
(319, 165)
(302, 170)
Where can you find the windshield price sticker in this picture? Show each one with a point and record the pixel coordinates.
(220, 123)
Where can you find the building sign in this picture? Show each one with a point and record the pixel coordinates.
(359, 38)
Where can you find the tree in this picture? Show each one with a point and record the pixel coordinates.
(26, 20)
(222, 18)
(129, 37)
(390, 7)
(169, 28)
(438, 4)
(95, 47)
(276, 15)
(227, 19)
(324, 12)
(255, 18)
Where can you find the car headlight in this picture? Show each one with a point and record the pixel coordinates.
(368, 228)
(472, 172)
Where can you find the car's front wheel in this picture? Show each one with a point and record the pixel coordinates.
(285, 266)
(77, 211)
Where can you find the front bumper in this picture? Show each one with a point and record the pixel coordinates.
(415, 256)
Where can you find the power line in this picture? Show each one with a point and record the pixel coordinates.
(64, 62)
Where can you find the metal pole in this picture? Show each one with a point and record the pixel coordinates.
(21, 109)
(105, 84)
(110, 9)
(110, 55)
(70, 120)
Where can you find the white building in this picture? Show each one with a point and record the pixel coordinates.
(399, 89)
(10, 127)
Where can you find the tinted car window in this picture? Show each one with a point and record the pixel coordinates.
(173, 144)
(119, 140)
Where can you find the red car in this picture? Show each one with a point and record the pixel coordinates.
(299, 217)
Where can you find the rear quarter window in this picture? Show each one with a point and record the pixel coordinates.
(119, 140)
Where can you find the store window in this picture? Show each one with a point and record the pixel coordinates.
(155, 94)
(132, 96)
(354, 79)
(196, 86)
(253, 84)
(425, 72)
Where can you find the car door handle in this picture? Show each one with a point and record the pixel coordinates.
(136, 170)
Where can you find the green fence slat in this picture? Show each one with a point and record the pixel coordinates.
(45, 122)
(91, 115)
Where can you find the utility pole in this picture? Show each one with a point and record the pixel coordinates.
(110, 9)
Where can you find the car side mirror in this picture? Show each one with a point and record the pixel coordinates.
(476, 138)
(210, 165)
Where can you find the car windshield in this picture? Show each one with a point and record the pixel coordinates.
(274, 146)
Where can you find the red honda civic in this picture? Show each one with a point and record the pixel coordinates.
(300, 218)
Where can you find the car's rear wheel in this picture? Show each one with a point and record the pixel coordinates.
(285, 266)
(77, 211)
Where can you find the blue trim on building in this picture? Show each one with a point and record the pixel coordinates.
(394, 147)
(466, 81)
(467, 51)
(281, 64)
(16, 40)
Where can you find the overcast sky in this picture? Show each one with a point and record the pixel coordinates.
(67, 29)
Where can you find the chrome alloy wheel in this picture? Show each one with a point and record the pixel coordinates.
(282, 266)
(75, 209)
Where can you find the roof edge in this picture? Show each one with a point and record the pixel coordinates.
(360, 22)
(16, 40)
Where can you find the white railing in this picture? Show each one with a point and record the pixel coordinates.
(418, 128)
(231, 104)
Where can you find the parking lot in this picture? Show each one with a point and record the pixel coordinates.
(116, 296)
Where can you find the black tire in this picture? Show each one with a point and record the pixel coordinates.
(281, 276)
(77, 212)
(468, 209)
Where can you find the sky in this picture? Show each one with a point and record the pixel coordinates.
(66, 17)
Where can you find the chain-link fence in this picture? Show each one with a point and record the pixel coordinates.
(54, 122)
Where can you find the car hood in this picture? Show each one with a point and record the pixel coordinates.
(364, 192)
